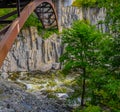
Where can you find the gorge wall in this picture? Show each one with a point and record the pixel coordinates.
(93, 15)
(30, 52)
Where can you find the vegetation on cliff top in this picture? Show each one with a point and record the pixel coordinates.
(34, 21)
(80, 3)
(94, 3)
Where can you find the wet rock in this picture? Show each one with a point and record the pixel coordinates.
(56, 66)
(4, 75)
(45, 67)
(13, 99)
(62, 95)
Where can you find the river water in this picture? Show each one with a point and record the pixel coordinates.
(53, 85)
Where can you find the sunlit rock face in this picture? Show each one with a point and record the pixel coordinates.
(70, 14)
(93, 15)
(30, 52)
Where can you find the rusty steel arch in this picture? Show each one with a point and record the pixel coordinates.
(11, 32)
(47, 15)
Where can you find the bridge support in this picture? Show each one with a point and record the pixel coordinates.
(14, 29)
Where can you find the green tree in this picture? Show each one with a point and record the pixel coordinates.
(81, 51)
(105, 83)
(90, 53)
(108, 86)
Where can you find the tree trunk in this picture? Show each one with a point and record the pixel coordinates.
(83, 87)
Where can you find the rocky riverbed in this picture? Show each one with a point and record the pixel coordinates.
(34, 93)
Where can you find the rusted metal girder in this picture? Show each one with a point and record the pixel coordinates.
(12, 3)
(4, 30)
(14, 29)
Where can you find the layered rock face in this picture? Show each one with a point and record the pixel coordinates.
(30, 52)
(93, 15)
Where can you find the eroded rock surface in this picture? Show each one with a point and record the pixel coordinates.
(14, 99)
(30, 52)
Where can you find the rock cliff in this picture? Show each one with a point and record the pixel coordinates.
(93, 15)
(30, 52)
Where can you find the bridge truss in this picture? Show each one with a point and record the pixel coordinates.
(44, 9)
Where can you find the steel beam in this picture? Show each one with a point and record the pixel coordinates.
(14, 29)
(5, 21)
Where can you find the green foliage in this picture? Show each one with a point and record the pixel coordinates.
(112, 20)
(104, 75)
(94, 3)
(4, 12)
(90, 108)
(85, 3)
(45, 33)
(31, 21)
(81, 52)
(81, 48)
(34, 21)
(105, 89)
(96, 57)
(110, 86)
